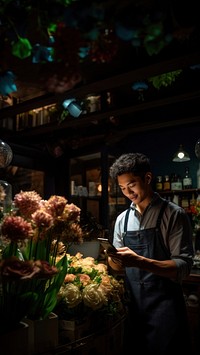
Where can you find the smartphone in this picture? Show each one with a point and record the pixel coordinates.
(107, 245)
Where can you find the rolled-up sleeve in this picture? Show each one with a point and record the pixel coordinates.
(180, 242)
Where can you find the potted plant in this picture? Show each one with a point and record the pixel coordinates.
(33, 233)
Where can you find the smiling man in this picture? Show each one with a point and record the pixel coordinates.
(154, 242)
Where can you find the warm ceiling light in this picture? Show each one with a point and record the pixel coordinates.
(181, 155)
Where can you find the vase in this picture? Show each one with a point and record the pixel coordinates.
(43, 334)
(72, 330)
(16, 341)
(87, 248)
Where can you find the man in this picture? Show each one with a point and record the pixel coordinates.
(154, 242)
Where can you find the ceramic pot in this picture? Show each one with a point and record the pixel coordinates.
(43, 334)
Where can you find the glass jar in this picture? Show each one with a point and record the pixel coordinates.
(5, 196)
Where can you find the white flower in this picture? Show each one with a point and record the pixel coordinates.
(94, 297)
(71, 295)
(100, 291)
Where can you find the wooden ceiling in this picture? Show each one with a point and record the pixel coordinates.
(129, 113)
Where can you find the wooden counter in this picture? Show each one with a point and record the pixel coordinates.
(194, 276)
(107, 340)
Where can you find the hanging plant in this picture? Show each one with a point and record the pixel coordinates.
(164, 79)
(22, 48)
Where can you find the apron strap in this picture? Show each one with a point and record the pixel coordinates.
(126, 220)
(165, 203)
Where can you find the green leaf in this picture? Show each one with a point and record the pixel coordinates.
(49, 303)
(165, 79)
(11, 250)
(22, 48)
(62, 265)
(47, 299)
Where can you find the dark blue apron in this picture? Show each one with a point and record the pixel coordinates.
(157, 312)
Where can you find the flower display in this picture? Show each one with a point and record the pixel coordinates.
(89, 288)
(195, 212)
(33, 234)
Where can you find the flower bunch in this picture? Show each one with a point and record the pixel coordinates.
(33, 233)
(195, 213)
(88, 288)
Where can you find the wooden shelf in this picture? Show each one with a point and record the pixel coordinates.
(178, 192)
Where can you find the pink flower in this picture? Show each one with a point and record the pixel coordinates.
(71, 233)
(69, 278)
(27, 202)
(45, 269)
(55, 205)
(16, 228)
(72, 212)
(102, 268)
(13, 267)
(84, 279)
(42, 219)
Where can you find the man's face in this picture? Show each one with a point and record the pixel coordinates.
(134, 187)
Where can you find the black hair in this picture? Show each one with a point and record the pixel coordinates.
(136, 163)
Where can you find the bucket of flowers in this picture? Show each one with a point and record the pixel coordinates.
(32, 234)
(89, 298)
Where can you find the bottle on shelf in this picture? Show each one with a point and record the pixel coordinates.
(159, 183)
(176, 199)
(176, 182)
(192, 200)
(185, 201)
(187, 180)
(166, 183)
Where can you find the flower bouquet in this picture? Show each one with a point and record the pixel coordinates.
(194, 210)
(89, 292)
(33, 233)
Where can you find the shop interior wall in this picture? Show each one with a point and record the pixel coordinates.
(160, 145)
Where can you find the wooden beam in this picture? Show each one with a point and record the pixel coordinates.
(86, 121)
(104, 85)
